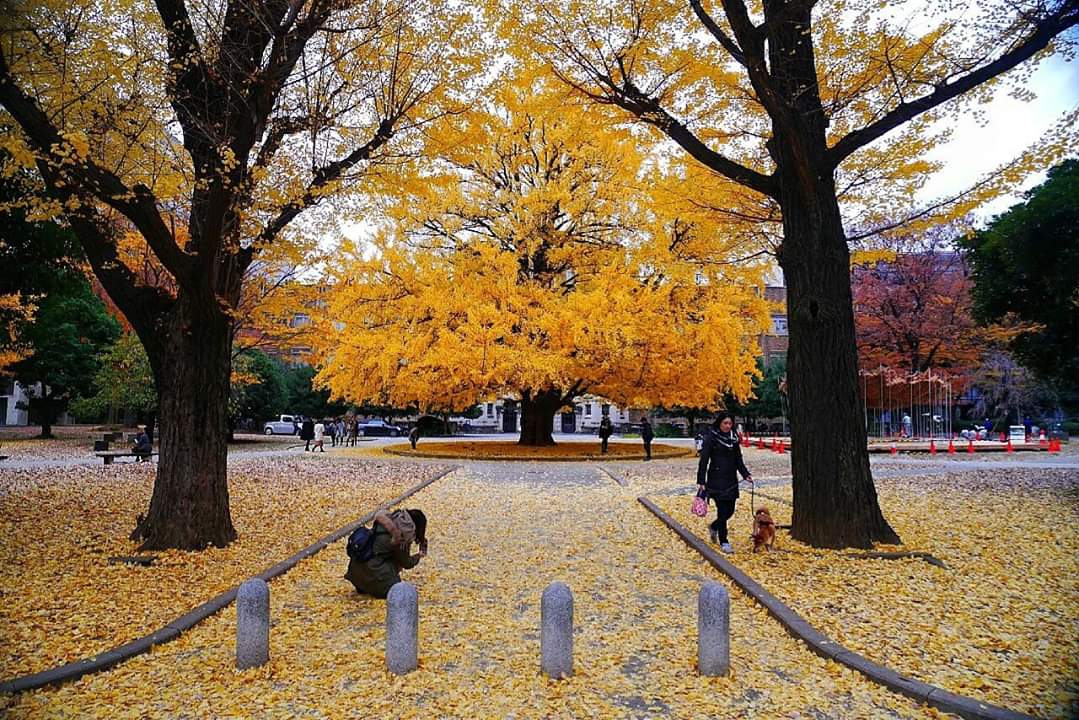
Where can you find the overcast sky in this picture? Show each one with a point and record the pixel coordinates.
(1012, 126)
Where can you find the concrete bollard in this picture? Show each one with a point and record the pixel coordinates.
(556, 631)
(402, 628)
(252, 624)
(713, 630)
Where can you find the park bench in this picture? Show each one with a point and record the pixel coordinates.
(110, 455)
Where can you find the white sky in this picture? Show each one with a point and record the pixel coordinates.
(1013, 125)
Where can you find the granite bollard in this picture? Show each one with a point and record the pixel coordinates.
(252, 624)
(402, 628)
(713, 630)
(556, 631)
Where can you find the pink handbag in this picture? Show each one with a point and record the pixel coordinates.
(700, 506)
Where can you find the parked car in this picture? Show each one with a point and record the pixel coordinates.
(283, 425)
(372, 428)
(1057, 431)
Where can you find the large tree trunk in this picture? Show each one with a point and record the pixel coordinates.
(537, 417)
(835, 502)
(190, 504)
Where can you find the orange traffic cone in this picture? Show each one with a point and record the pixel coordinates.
(760, 443)
(1054, 446)
(775, 445)
(1010, 449)
(970, 447)
(951, 447)
(781, 450)
(1041, 439)
(932, 447)
(894, 451)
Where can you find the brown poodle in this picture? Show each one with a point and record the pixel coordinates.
(764, 529)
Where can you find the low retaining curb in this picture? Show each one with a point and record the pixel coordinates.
(110, 658)
(799, 628)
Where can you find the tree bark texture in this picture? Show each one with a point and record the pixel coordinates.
(537, 417)
(835, 501)
(189, 508)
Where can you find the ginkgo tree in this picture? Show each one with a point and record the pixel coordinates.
(541, 254)
(824, 110)
(205, 130)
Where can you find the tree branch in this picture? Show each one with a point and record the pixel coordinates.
(1066, 16)
(137, 204)
(323, 177)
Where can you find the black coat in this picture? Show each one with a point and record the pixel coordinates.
(721, 457)
(307, 430)
(646, 432)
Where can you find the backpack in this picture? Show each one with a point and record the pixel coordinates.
(361, 544)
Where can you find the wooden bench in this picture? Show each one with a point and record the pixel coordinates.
(110, 455)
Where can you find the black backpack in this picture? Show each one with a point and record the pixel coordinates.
(361, 544)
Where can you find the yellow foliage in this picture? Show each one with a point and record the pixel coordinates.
(996, 625)
(63, 601)
(491, 554)
(538, 250)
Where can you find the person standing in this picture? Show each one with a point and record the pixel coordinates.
(307, 433)
(646, 435)
(331, 430)
(341, 437)
(721, 459)
(605, 430)
(414, 436)
(320, 432)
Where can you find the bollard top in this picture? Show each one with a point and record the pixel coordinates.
(713, 590)
(255, 587)
(557, 590)
(402, 591)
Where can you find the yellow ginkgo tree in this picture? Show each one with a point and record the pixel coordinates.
(205, 131)
(825, 110)
(541, 254)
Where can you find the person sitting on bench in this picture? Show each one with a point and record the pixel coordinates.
(141, 445)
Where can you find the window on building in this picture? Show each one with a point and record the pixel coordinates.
(7, 387)
(490, 409)
(779, 325)
(588, 408)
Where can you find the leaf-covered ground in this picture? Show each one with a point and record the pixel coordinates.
(60, 600)
(1001, 623)
(498, 535)
(511, 450)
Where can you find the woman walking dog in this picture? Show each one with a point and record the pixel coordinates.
(721, 458)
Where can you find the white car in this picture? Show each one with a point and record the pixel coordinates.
(284, 425)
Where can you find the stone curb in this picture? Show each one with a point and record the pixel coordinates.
(171, 631)
(799, 628)
(617, 478)
(518, 458)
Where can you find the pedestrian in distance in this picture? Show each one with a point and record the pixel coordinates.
(307, 433)
(721, 459)
(142, 446)
(605, 430)
(389, 553)
(331, 430)
(320, 432)
(341, 437)
(414, 436)
(646, 436)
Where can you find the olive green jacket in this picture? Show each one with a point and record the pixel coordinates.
(377, 575)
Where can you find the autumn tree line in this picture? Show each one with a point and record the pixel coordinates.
(555, 198)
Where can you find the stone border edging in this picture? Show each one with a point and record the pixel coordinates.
(171, 631)
(799, 628)
(617, 478)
